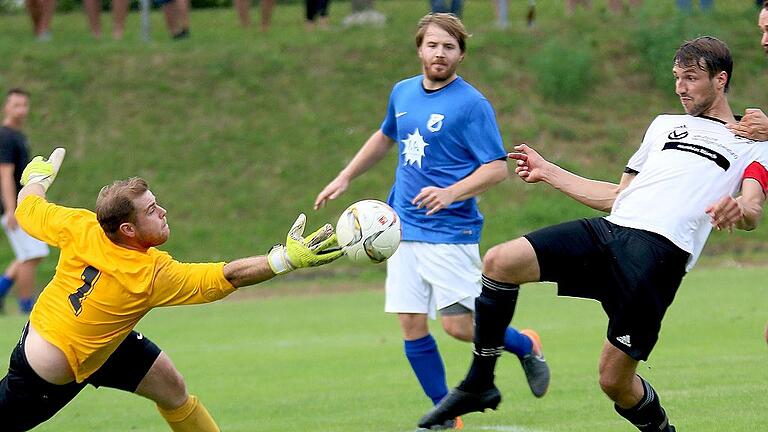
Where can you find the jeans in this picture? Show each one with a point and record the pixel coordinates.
(440, 6)
(685, 5)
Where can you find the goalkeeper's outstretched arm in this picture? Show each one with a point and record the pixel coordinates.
(316, 249)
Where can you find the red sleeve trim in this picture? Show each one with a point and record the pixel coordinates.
(757, 171)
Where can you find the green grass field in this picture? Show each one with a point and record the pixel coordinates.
(237, 132)
(334, 362)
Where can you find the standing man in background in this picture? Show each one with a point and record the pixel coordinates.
(41, 14)
(450, 152)
(440, 6)
(14, 155)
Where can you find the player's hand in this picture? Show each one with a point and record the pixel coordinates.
(433, 199)
(43, 171)
(332, 191)
(725, 214)
(754, 125)
(316, 249)
(531, 166)
(9, 219)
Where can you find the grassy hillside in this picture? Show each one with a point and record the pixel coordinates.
(237, 131)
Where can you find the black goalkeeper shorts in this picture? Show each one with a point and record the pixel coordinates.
(633, 273)
(26, 400)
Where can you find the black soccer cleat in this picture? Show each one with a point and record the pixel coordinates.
(459, 402)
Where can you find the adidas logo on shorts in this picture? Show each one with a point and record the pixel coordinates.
(624, 340)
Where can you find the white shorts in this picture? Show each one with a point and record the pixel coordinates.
(425, 277)
(24, 246)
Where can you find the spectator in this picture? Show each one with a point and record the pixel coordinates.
(176, 13)
(243, 8)
(317, 13)
(502, 12)
(119, 12)
(41, 13)
(440, 6)
(14, 155)
(687, 6)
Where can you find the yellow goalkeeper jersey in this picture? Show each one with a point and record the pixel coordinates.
(101, 290)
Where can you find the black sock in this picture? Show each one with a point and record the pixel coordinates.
(647, 415)
(493, 312)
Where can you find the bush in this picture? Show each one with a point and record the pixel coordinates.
(655, 46)
(563, 71)
(11, 6)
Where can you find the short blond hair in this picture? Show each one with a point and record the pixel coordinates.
(448, 22)
(114, 205)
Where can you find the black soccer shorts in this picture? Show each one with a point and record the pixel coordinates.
(26, 400)
(633, 273)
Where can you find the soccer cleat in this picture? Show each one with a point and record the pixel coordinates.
(535, 366)
(459, 402)
(452, 424)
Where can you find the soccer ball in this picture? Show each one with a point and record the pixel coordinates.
(369, 231)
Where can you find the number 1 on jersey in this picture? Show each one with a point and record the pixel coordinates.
(90, 276)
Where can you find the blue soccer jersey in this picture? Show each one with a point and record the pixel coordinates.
(443, 137)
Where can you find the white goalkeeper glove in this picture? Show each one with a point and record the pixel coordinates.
(317, 249)
(43, 171)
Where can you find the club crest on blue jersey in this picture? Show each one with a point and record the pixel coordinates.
(435, 122)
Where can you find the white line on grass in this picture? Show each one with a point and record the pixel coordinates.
(507, 428)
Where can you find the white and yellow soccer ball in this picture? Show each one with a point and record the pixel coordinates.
(369, 231)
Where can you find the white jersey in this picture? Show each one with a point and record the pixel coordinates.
(684, 165)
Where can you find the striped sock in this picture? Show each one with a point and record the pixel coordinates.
(493, 313)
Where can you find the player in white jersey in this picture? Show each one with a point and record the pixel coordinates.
(679, 184)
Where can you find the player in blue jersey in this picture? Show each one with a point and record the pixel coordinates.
(450, 151)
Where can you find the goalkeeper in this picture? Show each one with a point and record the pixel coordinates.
(109, 276)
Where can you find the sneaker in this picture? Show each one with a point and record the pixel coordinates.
(183, 34)
(535, 366)
(459, 402)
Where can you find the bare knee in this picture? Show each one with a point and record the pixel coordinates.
(613, 387)
(414, 325)
(460, 327)
(494, 261)
(514, 261)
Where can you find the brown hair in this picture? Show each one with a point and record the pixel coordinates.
(448, 22)
(708, 54)
(16, 91)
(114, 205)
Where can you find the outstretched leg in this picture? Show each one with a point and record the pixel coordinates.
(164, 385)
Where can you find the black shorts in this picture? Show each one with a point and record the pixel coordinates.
(26, 400)
(633, 273)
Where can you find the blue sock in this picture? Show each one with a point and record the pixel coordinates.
(26, 304)
(5, 285)
(428, 366)
(517, 343)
